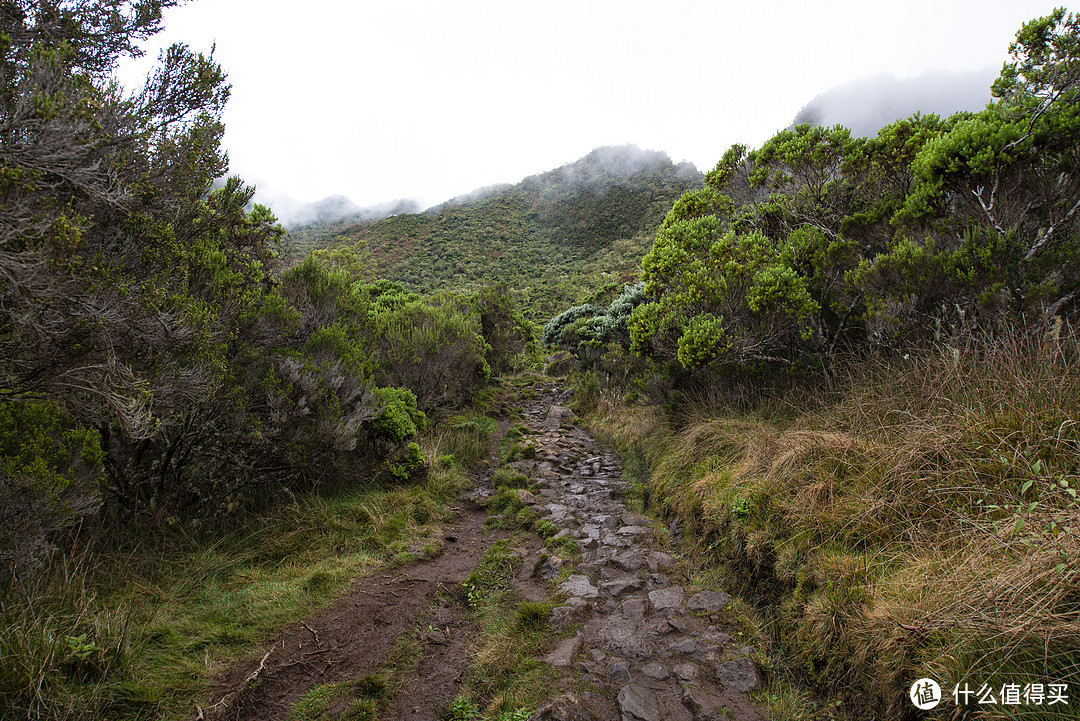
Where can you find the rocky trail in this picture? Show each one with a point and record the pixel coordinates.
(645, 647)
(646, 642)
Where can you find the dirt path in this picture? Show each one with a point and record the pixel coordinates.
(647, 647)
(353, 637)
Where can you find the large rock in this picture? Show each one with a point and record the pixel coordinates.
(739, 674)
(526, 498)
(628, 561)
(579, 586)
(686, 672)
(655, 671)
(556, 415)
(667, 598)
(637, 703)
(621, 636)
(564, 708)
(564, 653)
(621, 585)
(712, 601)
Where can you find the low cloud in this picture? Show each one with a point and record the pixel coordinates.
(293, 213)
(865, 106)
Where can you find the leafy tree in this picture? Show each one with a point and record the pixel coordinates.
(100, 192)
(147, 305)
(502, 325)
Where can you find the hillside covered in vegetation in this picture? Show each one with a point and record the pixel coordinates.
(556, 237)
(848, 375)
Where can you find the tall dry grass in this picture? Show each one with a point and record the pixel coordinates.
(915, 516)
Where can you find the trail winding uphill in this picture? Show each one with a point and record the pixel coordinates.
(645, 647)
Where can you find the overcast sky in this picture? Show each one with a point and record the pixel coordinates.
(430, 99)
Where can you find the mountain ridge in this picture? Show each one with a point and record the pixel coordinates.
(556, 236)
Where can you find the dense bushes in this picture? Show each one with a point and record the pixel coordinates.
(818, 242)
(49, 474)
(148, 331)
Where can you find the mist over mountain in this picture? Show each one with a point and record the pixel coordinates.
(867, 105)
(555, 235)
(294, 214)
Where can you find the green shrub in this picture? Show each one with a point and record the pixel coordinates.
(50, 469)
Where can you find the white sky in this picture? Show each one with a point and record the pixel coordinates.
(430, 99)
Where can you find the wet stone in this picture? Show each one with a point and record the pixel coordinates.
(666, 598)
(637, 703)
(712, 601)
(579, 586)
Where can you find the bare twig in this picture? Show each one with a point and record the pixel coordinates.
(313, 632)
(255, 674)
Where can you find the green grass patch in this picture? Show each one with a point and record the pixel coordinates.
(368, 698)
(505, 680)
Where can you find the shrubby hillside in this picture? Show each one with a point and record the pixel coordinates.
(555, 237)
